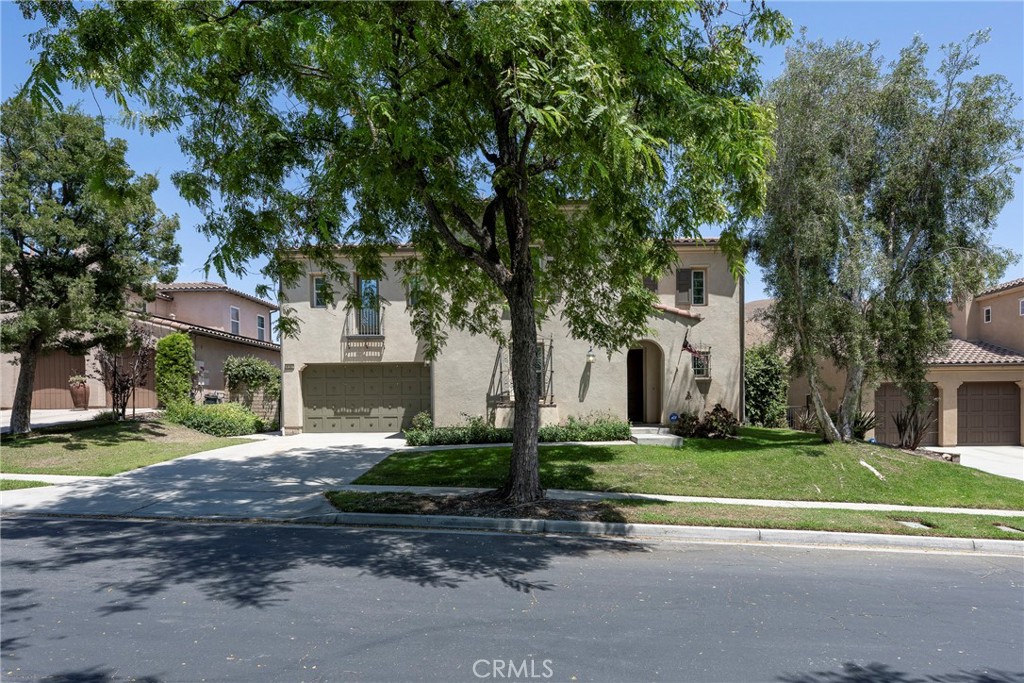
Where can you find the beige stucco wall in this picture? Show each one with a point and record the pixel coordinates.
(212, 309)
(213, 352)
(464, 375)
(1006, 328)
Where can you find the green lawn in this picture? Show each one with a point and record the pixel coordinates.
(105, 449)
(746, 516)
(14, 484)
(763, 463)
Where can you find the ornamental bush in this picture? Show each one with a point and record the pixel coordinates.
(253, 373)
(764, 373)
(477, 430)
(218, 419)
(175, 368)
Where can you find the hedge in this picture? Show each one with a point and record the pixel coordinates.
(217, 419)
(175, 366)
(477, 431)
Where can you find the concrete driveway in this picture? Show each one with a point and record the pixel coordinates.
(1006, 461)
(279, 477)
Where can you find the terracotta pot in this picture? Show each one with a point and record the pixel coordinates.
(80, 396)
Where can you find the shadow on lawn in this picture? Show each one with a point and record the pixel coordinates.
(883, 673)
(75, 437)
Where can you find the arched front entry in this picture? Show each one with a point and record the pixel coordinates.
(645, 367)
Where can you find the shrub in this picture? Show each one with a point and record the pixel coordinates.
(911, 427)
(422, 421)
(764, 374)
(688, 424)
(217, 419)
(717, 423)
(477, 430)
(253, 373)
(863, 423)
(175, 367)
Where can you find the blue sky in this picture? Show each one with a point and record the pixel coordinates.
(891, 24)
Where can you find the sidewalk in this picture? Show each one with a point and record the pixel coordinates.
(560, 494)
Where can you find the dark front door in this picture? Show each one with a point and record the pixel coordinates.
(635, 385)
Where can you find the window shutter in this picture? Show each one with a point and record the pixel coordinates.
(683, 281)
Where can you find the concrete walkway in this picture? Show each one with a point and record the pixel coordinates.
(560, 494)
(277, 477)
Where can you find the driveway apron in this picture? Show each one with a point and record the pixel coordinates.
(280, 477)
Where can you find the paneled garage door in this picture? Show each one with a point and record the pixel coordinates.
(890, 400)
(988, 414)
(362, 397)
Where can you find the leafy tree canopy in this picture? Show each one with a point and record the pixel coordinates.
(80, 234)
(534, 153)
(885, 190)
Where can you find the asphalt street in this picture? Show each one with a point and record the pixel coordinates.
(95, 601)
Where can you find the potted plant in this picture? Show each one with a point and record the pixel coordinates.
(79, 387)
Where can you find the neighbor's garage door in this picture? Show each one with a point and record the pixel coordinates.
(890, 400)
(363, 398)
(988, 414)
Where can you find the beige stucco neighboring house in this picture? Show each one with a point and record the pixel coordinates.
(363, 369)
(977, 383)
(221, 321)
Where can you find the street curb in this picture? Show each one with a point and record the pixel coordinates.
(670, 532)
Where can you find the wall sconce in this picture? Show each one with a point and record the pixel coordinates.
(590, 356)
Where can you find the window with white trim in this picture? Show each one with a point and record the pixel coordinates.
(691, 286)
(1020, 304)
(316, 287)
(698, 293)
(261, 328)
(236, 320)
(988, 314)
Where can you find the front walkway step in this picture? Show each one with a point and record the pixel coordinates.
(654, 435)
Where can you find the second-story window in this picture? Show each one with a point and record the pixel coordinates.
(368, 315)
(699, 295)
(316, 297)
(988, 314)
(236, 321)
(261, 328)
(1021, 305)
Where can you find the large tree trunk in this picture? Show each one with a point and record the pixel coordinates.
(21, 410)
(850, 405)
(523, 483)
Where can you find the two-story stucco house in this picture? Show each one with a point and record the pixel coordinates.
(355, 369)
(221, 321)
(977, 384)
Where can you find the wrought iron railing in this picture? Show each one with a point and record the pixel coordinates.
(365, 322)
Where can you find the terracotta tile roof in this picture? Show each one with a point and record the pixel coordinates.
(207, 331)
(1010, 284)
(676, 311)
(211, 287)
(962, 352)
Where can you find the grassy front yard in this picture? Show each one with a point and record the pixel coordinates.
(104, 450)
(763, 463)
(692, 514)
(15, 484)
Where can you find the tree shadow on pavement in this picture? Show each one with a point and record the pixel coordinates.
(247, 565)
(883, 673)
(94, 675)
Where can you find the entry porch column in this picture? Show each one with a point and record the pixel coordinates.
(947, 416)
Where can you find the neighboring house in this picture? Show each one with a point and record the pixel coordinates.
(221, 321)
(977, 384)
(355, 369)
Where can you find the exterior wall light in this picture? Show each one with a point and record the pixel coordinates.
(590, 356)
